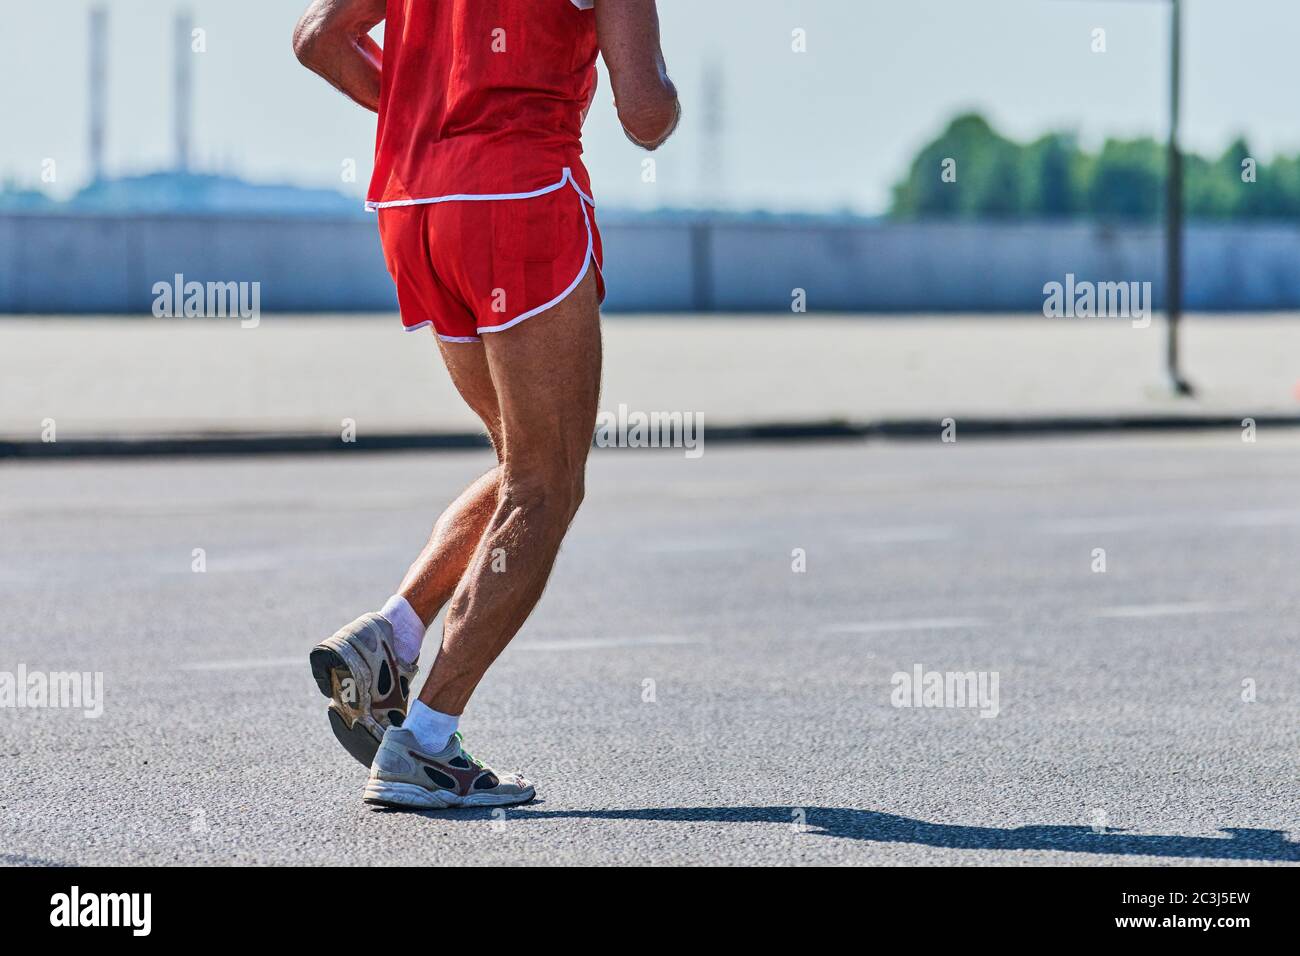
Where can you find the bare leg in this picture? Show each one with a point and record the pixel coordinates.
(432, 579)
(547, 377)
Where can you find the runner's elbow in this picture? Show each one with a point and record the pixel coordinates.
(306, 43)
(649, 120)
(309, 40)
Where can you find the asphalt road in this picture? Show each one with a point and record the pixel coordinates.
(682, 695)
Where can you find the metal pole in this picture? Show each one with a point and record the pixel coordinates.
(712, 181)
(183, 84)
(1174, 210)
(98, 89)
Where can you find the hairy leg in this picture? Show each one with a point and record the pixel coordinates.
(432, 579)
(547, 376)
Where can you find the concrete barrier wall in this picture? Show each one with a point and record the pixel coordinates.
(103, 264)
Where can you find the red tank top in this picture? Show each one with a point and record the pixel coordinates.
(482, 97)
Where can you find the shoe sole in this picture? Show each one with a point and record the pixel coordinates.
(332, 662)
(412, 796)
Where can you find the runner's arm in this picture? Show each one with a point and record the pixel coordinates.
(628, 33)
(333, 40)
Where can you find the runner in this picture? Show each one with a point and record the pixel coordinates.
(489, 230)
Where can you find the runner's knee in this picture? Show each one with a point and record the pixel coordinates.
(551, 498)
(541, 503)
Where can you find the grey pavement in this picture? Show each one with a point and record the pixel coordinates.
(682, 695)
(141, 376)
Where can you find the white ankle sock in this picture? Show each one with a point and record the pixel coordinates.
(408, 629)
(432, 728)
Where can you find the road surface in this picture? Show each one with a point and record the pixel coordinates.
(685, 693)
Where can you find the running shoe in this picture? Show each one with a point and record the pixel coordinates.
(368, 686)
(404, 775)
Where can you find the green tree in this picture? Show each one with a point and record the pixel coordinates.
(1214, 190)
(986, 177)
(1052, 178)
(1052, 170)
(1279, 183)
(1128, 180)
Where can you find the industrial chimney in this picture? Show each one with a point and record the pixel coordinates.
(713, 181)
(183, 83)
(98, 97)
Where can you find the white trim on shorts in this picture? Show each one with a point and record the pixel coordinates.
(582, 273)
(478, 197)
(588, 259)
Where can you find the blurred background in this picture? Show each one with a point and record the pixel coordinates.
(145, 134)
(924, 161)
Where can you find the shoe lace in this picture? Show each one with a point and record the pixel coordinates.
(460, 742)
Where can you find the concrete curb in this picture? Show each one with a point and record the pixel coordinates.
(205, 444)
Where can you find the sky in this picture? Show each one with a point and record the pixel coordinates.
(830, 128)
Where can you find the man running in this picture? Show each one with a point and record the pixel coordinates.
(489, 230)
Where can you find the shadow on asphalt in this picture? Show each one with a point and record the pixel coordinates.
(22, 859)
(1240, 844)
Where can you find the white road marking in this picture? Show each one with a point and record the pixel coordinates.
(1161, 610)
(902, 535)
(915, 624)
(1261, 518)
(1104, 524)
(601, 643)
(715, 489)
(1096, 525)
(251, 664)
(576, 644)
(275, 559)
(691, 546)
